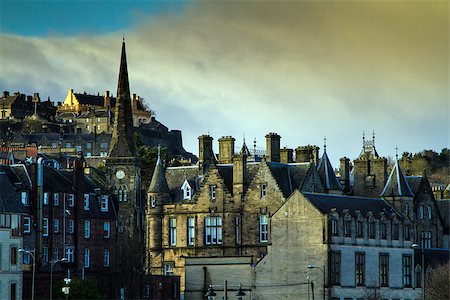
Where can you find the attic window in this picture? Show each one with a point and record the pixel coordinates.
(187, 193)
(263, 190)
(212, 190)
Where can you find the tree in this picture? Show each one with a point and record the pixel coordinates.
(437, 284)
(79, 289)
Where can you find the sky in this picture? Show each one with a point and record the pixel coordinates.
(304, 69)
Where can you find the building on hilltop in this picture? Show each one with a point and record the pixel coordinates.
(19, 106)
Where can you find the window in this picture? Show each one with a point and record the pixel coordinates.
(191, 231)
(45, 226)
(45, 254)
(24, 197)
(335, 267)
(237, 229)
(71, 200)
(55, 254)
(421, 212)
(395, 231)
(56, 199)
(106, 258)
(46, 197)
(172, 232)
(383, 230)
(429, 212)
(26, 225)
(152, 201)
(371, 230)
(263, 190)
(213, 230)
(71, 226)
(263, 228)
(103, 154)
(13, 291)
(70, 250)
(168, 268)
(406, 263)
(86, 202)
(106, 230)
(384, 269)
(406, 232)
(88, 154)
(87, 229)
(406, 209)
(122, 194)
(88, 145)
(55, 225)
(146, 291)
(87, 257)
(187, 193)
(104, 145)
(334, 227)
(360, 260)
(104, 203)
(87, 120)
(359, 229)
(13, 256)
(212, 192)
(425, 239)
(348, 228)
(67, 145)
(26, 257)
(5, 220)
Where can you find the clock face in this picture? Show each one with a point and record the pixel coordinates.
(120, 174)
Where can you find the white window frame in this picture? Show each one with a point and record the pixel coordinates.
(187, 190)
(69, 253)
(55, 225)
(86, 202)
(106, 256)
(191, 231)
(44, 226)
(152, 201)
(104, 203)
(56, 199)
(71, 226)
(172, 231)
(263, 190)
(107, 230)
(46, 198)
(87, 257)
(71, 200)
(26, 225)
(212, 192)
(237, 228)
(168, 268)
(263, 228)
(24, 198)
(87, 229)
(213, 231)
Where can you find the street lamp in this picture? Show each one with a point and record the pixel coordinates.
(240, 292)
(416, 246)
(53, 263)
(210, 294)
(32, 253)
(323, 272)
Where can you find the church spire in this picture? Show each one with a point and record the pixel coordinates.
(122, 144)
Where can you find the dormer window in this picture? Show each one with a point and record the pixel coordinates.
(187, 190)
(263, 190)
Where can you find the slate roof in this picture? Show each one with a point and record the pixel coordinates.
(327, 175)
(326, 202)
(175, 177)
(283, 177)
(414, 183)
(444, 210)
(97, 113)
(226, 172)
(10, 196)
(55, 181)
(86, 99)
(396, 184)
(298, 173)
(159, 182)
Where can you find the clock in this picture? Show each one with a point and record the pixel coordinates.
(120, 174)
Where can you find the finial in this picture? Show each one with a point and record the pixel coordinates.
(325, 144)
(396, 153)
(123, 38)
(364, 136)
(254, 148)
(373, 136)
(244, 137)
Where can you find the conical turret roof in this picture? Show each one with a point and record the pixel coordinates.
(326, 173)
(159, 182)
(396, 184)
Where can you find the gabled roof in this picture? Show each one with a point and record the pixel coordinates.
(226, 172)
(97, 100)
(396, 184)
(327, 175)
(176, 176)
(414, 183)
(282, 175)
(159, 182)
(55, 181)
(10, 196)
(326, 202)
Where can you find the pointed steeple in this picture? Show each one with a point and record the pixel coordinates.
(327, 175)
(396, 185)
(122, 144)
(244, 150)
(159, 182)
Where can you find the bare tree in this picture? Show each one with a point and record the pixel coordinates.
(437, 283)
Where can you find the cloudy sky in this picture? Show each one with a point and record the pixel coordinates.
(303, 69)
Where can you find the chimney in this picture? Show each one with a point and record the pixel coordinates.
(239, 175)
(286, 155)
(134, 100)
(307, 154)
(344, 170)
(205, 151)
(106, 99)
(36, 98)
(226, 149)
(273, 147)
(5, 94)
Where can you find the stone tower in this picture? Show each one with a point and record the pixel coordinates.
(122, 166)
(157, 193)
(370, 171)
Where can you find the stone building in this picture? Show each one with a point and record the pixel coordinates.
(19, 106)
(221, 207)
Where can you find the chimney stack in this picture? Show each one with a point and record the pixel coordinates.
(205, 151)
(307, 154)
(286, 155)
(5, 94)
(344, 170)
(226, 149)
(273, 147)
